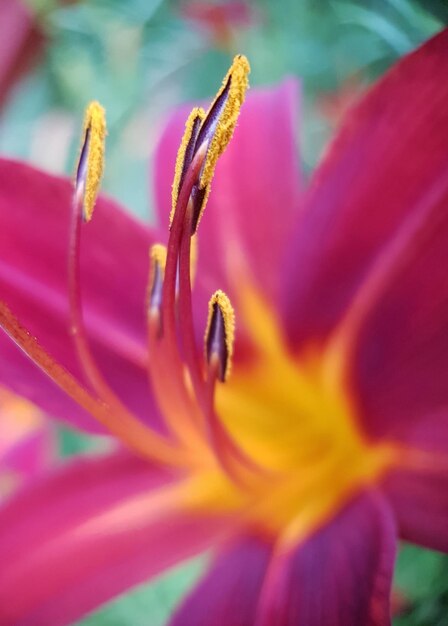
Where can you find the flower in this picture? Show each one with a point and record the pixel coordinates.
(299, 448)
(220, 20)
(21, 44)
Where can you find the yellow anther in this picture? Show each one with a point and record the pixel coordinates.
(236, 83)
(157, 254)
(91, 160)
(157, 257)
(185, 152)
(220, 333)
(208, 135)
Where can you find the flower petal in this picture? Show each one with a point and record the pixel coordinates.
(340, 576)
(229, 591)
(399, 370)
(95, 528)
(256, 178)
(420, 503)
(19, 44)
(34, 230)
(388, 157)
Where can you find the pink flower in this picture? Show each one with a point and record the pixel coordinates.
(328, 438)
(220, 19)
(20, 44)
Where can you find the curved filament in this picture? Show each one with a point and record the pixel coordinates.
(125, 426)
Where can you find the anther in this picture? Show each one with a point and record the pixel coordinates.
(206, 136)
(89, 171)
(222, 116)
(155, 286)
(185, 154)
(219, 336)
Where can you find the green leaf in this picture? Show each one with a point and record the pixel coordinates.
(151, 604)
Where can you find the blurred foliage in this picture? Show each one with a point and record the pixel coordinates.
(422, 576)
(142, 57)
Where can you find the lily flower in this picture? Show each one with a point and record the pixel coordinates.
(220, 20)
(21, 44)
(296, 446)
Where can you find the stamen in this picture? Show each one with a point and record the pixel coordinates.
(210, 133)
(83, 205)
(89, 171)
(185, 154)
(173, 249)
(158, 260)
(219, 339)
(220, 333)
(188, 203)
(125, 426)
(185, 307)
(219, 124)
(166, 371)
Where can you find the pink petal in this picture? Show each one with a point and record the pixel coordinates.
(232, 13)
(254, 197)
(87, 533)
(228, 594)
(420, 503)
(388, 158)
(341, 576)
(400, 366)
(34, 227)
(19, 43)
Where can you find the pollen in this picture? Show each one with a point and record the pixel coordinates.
(91, 159)
(206, 136)
(234, 89)
(220, 333)
(185, 153)
(157, 256)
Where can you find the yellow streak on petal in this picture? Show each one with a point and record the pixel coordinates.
(132, 513)
(196, 114)
(222, 300)
(238, 76)
(95, 130)
(201, 494)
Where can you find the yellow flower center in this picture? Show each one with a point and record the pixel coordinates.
(294, 417)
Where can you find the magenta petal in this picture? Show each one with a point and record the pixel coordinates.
(388, 158)
(19, 42)
(255, 191)
(34, 229)
(341, 576)
(400, 366)
(420, 503)
(87, 533)
(228, 594)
